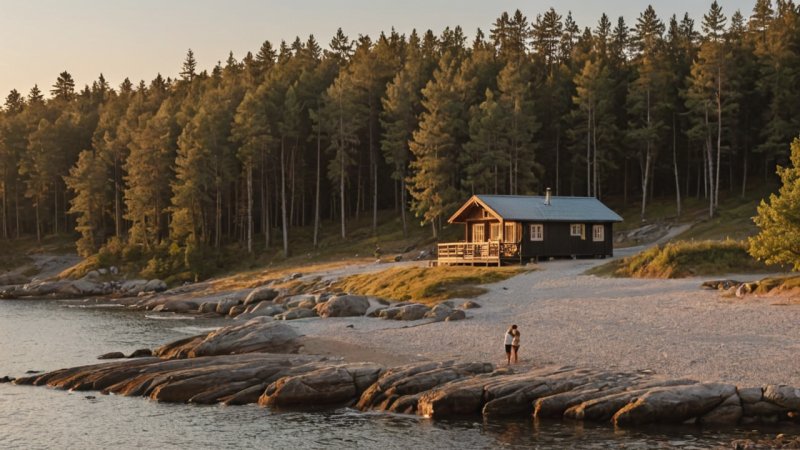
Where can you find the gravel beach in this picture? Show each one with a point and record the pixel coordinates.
(670, 327)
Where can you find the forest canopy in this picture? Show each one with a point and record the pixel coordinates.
(301, 131)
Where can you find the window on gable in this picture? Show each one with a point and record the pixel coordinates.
(537, 232)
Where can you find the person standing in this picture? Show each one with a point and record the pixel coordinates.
(515, 345)
(508, 341)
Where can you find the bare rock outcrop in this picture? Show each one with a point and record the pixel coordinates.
(343, 306)
(256, 335)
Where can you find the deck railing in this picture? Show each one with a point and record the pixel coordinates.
(491, 252)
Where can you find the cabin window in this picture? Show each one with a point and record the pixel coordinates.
(510, 232)
(478, 234)
(494, 231)
(576, 229)
(537, 232)
(485, 214)
(598, 233)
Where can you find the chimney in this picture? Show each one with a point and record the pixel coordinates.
(547, 197)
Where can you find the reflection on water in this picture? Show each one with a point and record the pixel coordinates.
(47, 335)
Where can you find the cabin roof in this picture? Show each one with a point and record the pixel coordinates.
(533, 208)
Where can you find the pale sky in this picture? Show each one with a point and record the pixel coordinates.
(138, 39)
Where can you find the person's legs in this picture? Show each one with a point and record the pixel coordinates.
(516, 352)
(508, 354)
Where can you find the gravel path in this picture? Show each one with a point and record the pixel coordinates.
(670, 327)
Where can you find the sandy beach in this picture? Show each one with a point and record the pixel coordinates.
(670, 327)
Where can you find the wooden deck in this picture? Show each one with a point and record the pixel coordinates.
(478, 253)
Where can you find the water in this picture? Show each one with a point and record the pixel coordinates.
(48, 335)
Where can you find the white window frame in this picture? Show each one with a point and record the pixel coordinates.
(482, 228)
(576, 229)
(598, 233)
(536, 232)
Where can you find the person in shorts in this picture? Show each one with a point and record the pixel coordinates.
(508, 341)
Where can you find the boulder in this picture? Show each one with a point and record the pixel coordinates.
(260, 294)
(133, 287)
(453, 399)
(786, 396)
(413, 311)
(727, 413)
(207, 307)
(224, 306)
(236, 310)
(111, 355)
(12, 278)
(457, 314)
(328, 385)
(259, 334)
(263, 309)
(141, 353)
(343, 306)
(439, 312)
(296, 313)
(469, 304)
(155, 285)
(750, 395)
(301, 301)
(176, 306)
(674, 404)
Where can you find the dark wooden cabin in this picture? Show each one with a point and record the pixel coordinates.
(502, 229)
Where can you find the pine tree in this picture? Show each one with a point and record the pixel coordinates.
(88, 180)
(64, 87)
(520, 126)
(778, 241)
(189, 68)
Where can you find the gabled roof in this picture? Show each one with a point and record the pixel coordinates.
(533, 208)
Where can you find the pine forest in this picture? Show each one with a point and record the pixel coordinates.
(300, 132)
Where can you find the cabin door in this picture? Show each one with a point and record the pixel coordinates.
(478, 233)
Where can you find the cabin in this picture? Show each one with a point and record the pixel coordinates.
(507, 229)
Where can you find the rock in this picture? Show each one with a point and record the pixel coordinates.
(469, 304)
(721, 285)
(141, 353)
(176, 306)
(102, 271)
(259, 334)
(453, 399)
(92, 275)
(263, 309)
(295, 276)
(133, 287)
(236, 310)
(343, 306)
(786, 396)
(296, 313)
(113, 270)
(6, 379)
(763, 409)
(414, 311)
(7, 279)
(439, 312)
(603, 408)
(457, 314)
(398, 258)
(328, 385)
(376, 312)
(301, 301)
(155, 285)
(674, 404)
(207, 307)
(750, 395)
(260, 294)
(224, 306)
(111, 355)
(727, 413)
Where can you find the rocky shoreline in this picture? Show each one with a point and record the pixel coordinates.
(255, 362)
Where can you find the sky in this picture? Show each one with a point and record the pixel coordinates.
(138, 39)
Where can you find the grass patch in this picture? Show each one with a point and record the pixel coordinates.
(426, 284)
(785, 284)
(683, 259)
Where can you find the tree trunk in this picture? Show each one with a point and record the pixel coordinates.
(250, 207)
(675, 164)
(55, 208)
(744, 173)
(594, 155)
(117, 199)
(719, 135)
(588, 153)
(342, 172)
(316, 196)
(5, 210)
(710, 168)
(403, 205)
(558, 142)
(284, 219)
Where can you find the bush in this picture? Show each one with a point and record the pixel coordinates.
(688, 258)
